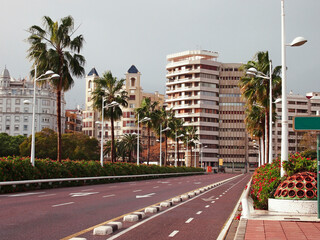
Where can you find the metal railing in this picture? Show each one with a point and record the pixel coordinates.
(39, 181)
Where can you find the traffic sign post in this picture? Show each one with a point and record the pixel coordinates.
(311, 123)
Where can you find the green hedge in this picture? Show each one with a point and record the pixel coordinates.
(19, 168)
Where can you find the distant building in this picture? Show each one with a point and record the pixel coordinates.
(16, 117)
(205, 94)
(127, 123)
(298, 105)
(73, 120)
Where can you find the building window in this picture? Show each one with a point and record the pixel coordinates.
(8, 101)
(17, 110)
(131, 106)
(1, 101)
(26, 110)
(132, 97)
(7, 127)
(16, 127)
(16, 118)
(17, 101)
(25, 118)
(25, 127)
(45, 103)
(8, 119)
(132, 82)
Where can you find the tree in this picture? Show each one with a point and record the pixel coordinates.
(308, 141)
(111, 90)
(10, 144)
(148, 109)
(53, 48)
(255, 89)
(190, 134)
(130, 145)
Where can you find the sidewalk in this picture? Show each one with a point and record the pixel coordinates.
(273, 226)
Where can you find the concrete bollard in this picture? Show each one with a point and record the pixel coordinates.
(184, 197)
(166, 204)
(152, 209)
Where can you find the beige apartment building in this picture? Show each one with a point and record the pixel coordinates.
(298, 105)
(127, 124)
(205, 93)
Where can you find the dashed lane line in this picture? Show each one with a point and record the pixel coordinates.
(173, 233)
(207, 206)
(62, 204)
(213, 201)
(156, 187)
(189, 220)
(47, 195)
(24, 194)
(111, 195)
(137, 190)
(199, 212)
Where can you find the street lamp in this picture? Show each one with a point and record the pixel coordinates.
(201, 156)
(140, 121)
(161, 131)
(49, 75)
(298, 41)
(176, 157)
(256, 73)
(112, 104)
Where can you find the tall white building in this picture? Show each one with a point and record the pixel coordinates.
(16, 117)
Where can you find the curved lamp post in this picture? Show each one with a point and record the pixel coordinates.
(176, 157)
(48, 75)
(161, 131)
(298, 41)
(254, 72)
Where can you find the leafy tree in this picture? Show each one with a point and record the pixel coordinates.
(129, 142)
(53, 48)
(148, 109)
(111, 90)
(10, 144)
(309, 141)
(255, 89)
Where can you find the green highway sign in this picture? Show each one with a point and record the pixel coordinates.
(306, 123)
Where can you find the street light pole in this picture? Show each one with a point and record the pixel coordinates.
(270, 113)
(298, 41)
(142, 120)
(52, 76)
(176, 150)
(161, 131)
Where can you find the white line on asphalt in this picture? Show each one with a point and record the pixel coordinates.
(87, 189)
(213, 201)
(62, 204)
(189, 220)
(47, 195)
(173, 233)
(207, 206)
(137, 190)
(156, 187)
(199, 212)
(220, 196)
(25, 194)
(217, 198)
(111, 195)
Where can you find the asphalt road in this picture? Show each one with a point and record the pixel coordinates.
(58, 213)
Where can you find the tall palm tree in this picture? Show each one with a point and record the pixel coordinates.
(148, 109)
(53, 48)
(176, 125)
(191, 133)
(255, 89)
(111, 90)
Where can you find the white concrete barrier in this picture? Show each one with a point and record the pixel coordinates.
(166, 204)
(176, 200)
(152, 209)
(191, 194)
(184, 197)
(102, 230)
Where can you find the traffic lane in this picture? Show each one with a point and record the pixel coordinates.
(199, 218)
(64, 213)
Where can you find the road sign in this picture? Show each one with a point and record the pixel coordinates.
(306, 123)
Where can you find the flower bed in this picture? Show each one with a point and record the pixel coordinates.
(16, 168)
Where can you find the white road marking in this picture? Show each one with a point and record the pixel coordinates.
(207, 206)
(25, 194)
(213, 201)
(111, 195)
(197, 182)
(47, 195)
(220, 196)
(137, 190)
(82, 194)
(208, 199)
(145, 196)
(217, 198)
(173, 233)
(156, 187)
(199, 212)
(189, 220)
(62, 204)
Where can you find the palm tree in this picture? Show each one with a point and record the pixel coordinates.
(176, 125)
(191, 134)
(53, 48)
(130, 144)
(255, 89)
(148, 109)
(111, 90)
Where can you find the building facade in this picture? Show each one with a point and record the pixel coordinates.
(127, 124)
(205, 94)
(73, 120)
(16, 115)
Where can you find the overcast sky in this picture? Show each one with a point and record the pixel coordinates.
(119, 33)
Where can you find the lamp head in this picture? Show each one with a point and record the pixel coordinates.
(252, 72)
(27, 102)
(298, 41)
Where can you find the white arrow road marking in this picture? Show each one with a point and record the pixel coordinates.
(24, 194)
(208, 199)
(82, 194)
(144, 196)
